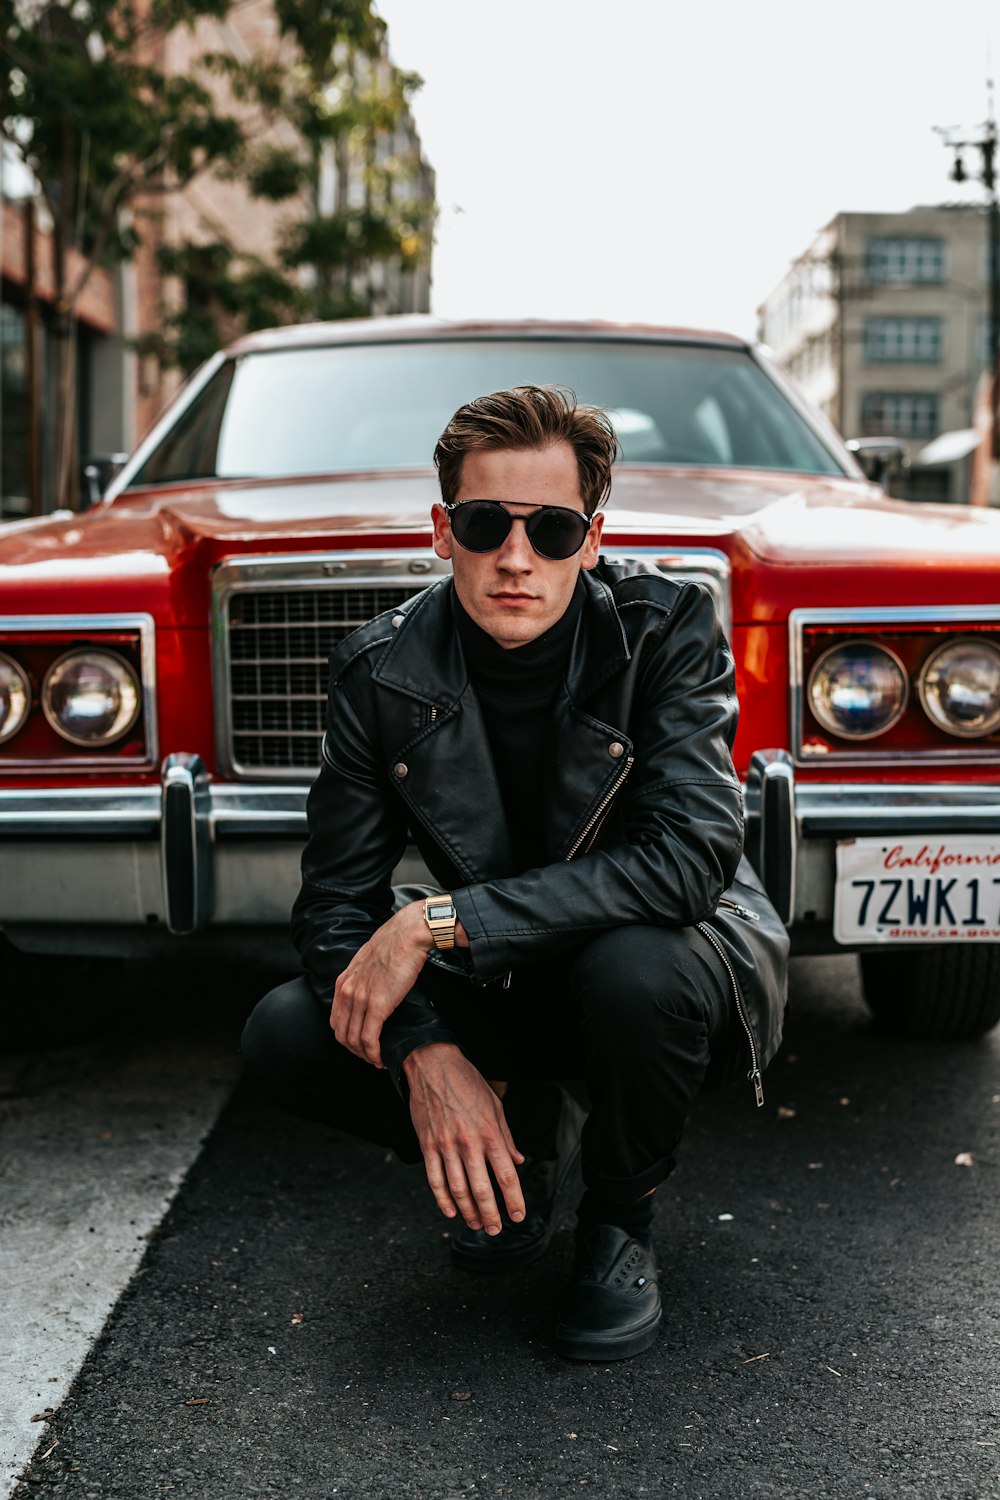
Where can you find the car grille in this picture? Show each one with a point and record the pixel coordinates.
(279, 644)
(278, 618)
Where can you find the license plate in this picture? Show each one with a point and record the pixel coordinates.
(917, 890)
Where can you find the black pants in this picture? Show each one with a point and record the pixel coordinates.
(643, 1015)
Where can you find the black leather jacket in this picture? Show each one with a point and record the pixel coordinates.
(644, 815)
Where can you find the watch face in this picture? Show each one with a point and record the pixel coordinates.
(439, 911)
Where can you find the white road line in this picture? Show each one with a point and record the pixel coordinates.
(94, 1144)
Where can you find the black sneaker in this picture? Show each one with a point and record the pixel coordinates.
(542, 1181)
(614, 1306)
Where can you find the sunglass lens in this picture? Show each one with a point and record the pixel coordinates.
(557, 534)
(480, 525)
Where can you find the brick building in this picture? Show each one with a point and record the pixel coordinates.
(119, 394)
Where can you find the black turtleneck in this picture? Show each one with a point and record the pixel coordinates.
(516, 688)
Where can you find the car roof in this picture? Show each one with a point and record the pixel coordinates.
(413, 327)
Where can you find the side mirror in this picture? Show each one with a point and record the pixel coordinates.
(98, 473)
(884, 461)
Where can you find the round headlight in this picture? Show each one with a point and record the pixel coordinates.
(90, 697)
(859, 690)
(960, 687)
(15, 698)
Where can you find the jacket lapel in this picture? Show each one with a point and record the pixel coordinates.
(582, 767)
(450, 783)
(451, 788)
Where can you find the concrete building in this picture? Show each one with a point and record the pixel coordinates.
(119, 395)
(883, 322)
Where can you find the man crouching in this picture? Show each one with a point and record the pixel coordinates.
(553, 730)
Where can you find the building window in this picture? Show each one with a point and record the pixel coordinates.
(899, 258)
(931, 485)
(898, 339)
(905, 414)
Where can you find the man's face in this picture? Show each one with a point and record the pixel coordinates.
(514, 594)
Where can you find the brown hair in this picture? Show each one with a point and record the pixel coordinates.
(531, 416)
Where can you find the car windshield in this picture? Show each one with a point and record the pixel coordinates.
(344, 408)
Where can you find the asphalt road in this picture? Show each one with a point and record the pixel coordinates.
(830, 1273)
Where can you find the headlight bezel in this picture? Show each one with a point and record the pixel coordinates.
(912, 632)
(837, 731)
(122, 725)
(924, 694)
(35, 641)
(7, 734)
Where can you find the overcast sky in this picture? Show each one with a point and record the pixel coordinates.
(664, 162)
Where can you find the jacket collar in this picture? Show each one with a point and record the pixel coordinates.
(425, 659)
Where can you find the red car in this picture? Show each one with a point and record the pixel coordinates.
(163, 657)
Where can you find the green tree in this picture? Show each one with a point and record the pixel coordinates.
(100, 126)
(329, 79)
(107, 131)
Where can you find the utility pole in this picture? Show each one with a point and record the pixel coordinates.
(985, 144)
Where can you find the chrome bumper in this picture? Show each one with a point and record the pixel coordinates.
(186, 854)
(192, 854)
(793, 827)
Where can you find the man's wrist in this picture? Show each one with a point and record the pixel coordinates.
(428, 1054)
(412, 916)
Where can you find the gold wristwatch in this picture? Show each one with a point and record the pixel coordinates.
(441, 916)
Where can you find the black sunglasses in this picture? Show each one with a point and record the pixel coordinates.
(554, 531)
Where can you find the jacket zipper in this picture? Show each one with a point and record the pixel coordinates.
(754, 1075)
(741, 911)
(593, 825)
(601, 810)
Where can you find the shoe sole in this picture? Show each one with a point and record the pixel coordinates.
(593, 1347)
(490, 1262)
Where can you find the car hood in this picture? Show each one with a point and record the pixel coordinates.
(144, 542)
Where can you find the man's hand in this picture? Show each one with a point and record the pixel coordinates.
(462, 1130)
(379, 976)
